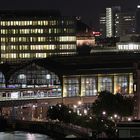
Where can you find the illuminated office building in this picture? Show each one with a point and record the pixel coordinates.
(125, 23)
(102, 24)
(138, 18)
(26, 35)
(116, 22)
(68, 80)
(110, 12)
(91, 85)
(109, 22)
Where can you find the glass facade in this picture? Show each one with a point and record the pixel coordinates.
(38, 82)
(94, 84)
(2, 80)
(122, 84)
(32, 81)
(72, 86)
(105, 83)
(89, 86)
(33, 37)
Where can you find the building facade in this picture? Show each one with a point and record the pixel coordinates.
(125, 23)
(92, 85)
(116, 22)
(28, 35)
(65, 80)
(138, 19)
(102, 24)
(109, 22)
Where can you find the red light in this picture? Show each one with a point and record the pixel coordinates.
(96, 33)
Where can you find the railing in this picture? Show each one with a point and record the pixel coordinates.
(25, 89)
(26, 98)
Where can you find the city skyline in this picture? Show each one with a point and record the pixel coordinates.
(89, 10)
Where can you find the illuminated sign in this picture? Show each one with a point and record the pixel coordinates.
(96, 33)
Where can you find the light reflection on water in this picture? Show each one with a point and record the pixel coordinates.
(20, 135)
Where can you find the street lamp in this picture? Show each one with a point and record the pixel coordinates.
(75, 108)
(69, 111)
(79, 107)
(115, 116)
(80, 114)
(79, 102)
(104, 113)
(85, 112)
(90, 117)
(129, 119)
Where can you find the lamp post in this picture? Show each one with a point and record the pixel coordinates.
(104, 113)
(48, 76)
(79, 107)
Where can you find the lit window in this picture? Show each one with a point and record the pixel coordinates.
(48, 76)
(22, 76)
(3, 47)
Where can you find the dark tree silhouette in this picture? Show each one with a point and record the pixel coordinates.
(113, 104)
(84, 50)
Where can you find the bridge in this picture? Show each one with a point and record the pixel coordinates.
(54, 129)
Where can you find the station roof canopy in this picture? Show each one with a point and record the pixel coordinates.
(74, 65)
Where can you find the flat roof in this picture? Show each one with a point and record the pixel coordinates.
(93, 64)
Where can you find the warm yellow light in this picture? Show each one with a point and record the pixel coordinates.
(79, 102)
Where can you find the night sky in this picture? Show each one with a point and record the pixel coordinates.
(88, 9)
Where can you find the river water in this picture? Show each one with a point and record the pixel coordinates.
(20, 135)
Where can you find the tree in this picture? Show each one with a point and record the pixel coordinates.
(60, 112)
(84, 50)
(109, 105)
(113, 104)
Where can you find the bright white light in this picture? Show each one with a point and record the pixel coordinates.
(131, 46)
(48, 76)
(85, 111)
(34, 106)
(79, 102)
(104, 113)
(30, 136)
(129, 119)
(115, 115)
(22, 76)
(95, 91)
(14, 95)
(78, 112)
(90, 118)
(138, 6)
(23, 85)
(75, 106)
(70, 111)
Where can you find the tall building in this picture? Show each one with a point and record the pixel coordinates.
(34, 34)
(125, 23)
(110, 20)
(138, 18)
(117, 23)
(102, 24)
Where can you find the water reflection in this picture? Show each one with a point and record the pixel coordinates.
(19, 135)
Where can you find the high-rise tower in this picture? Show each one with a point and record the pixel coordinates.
(138, 18)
